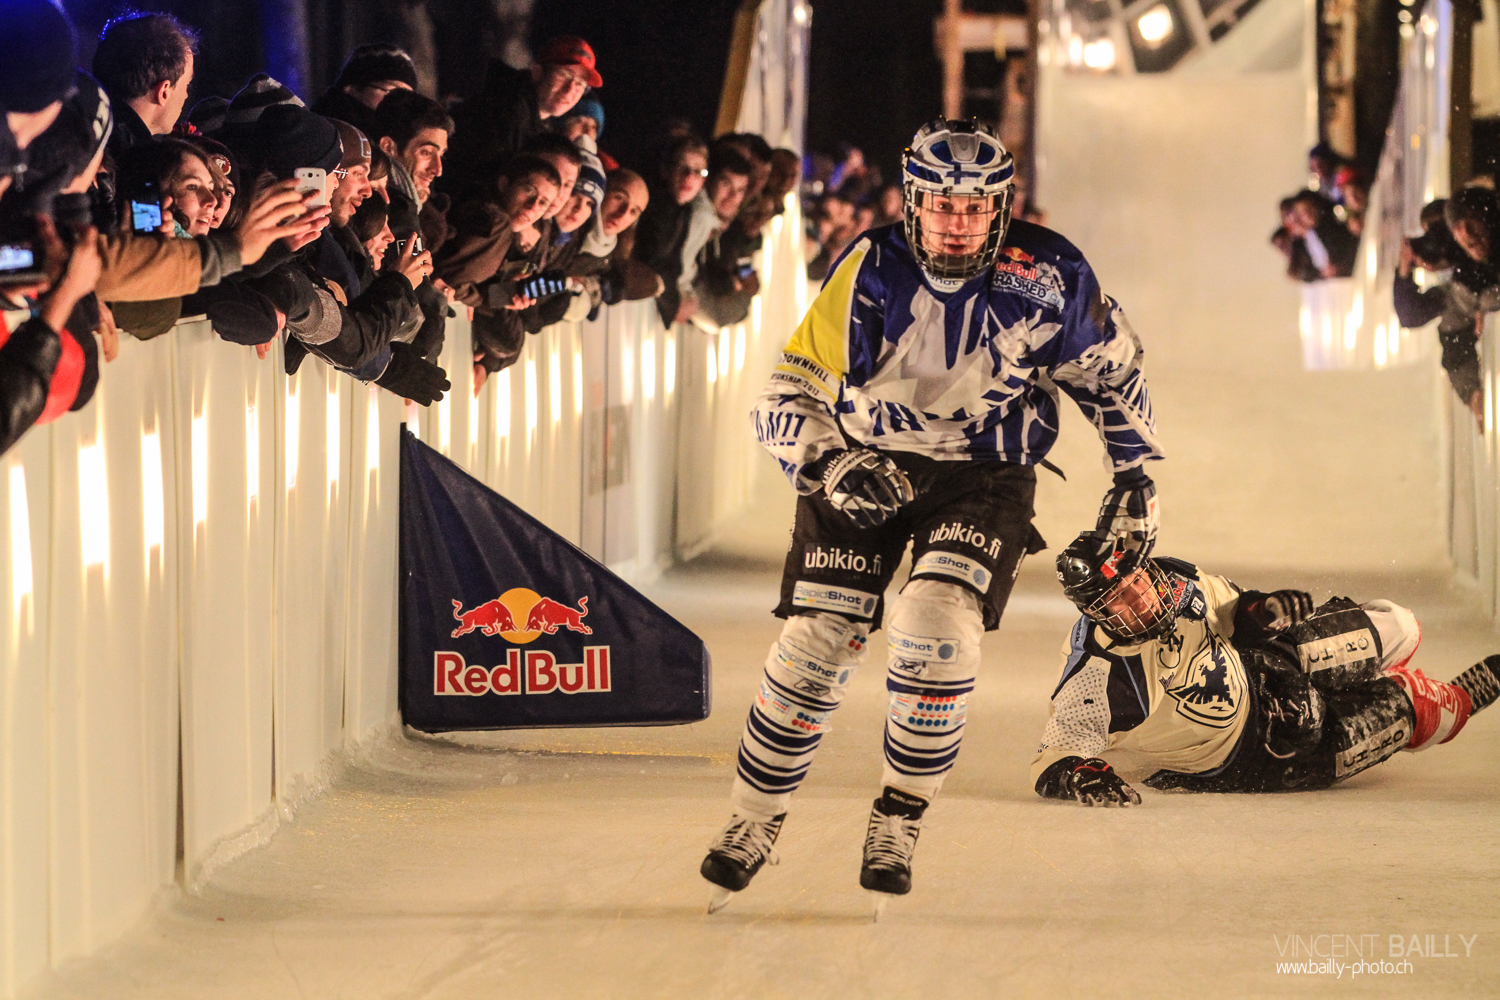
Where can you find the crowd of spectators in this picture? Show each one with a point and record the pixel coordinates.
(1321, 224)
(1450, 273)
(351, 230)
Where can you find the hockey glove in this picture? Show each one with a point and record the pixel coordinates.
(866, 485)
(1284, 608)
(411, 377)
(1092, 782)
(1130, 511)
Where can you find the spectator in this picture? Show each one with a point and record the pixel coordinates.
(38, 48)
(413, 131)
(712, 210)
(837, 227)
(145, 64)
(513, 103)
(368, 75)
(486, 222)
(1473, 218)
(44, 368)
(586, 119)
(1434, 250)
(1308, 217)
(663, 225)
(888, 205)
(1323, 163)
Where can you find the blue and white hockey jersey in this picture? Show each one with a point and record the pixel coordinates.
(970, 374)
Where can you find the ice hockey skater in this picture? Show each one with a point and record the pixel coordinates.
(911, 406)
(1216, 689)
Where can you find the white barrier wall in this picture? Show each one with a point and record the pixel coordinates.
(1474, 478)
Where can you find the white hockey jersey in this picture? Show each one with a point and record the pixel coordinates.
(1180, 702)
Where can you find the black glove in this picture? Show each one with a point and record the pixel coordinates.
(1092, 782)
(411, 377)
(865, 485)
(1284, 608)
(1130, 511)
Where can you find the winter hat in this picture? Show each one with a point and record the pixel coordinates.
(288, 137)
(590, 177)
(220, 160)
(208, 114)
(379, 61)
(39, 50)
(588, 106)
(355, 144)
(255, 97)
(570, 50)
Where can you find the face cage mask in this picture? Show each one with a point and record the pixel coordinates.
(955, 267)
(1132, 629)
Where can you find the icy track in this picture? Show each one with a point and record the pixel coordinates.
(564, 864)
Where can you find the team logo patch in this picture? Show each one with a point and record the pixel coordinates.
(826, 597)
(1213, 685)
(949, 564)
(1039, 282)
(906, 646)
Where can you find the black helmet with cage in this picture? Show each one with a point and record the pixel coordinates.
(1130, 598)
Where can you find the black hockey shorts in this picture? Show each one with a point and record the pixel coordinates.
(1301, 735)
(969, 525)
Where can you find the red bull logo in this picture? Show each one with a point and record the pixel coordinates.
(1017, 254)
(523, 672)
(541, 616)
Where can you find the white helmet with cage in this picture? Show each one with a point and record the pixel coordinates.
(958, 183)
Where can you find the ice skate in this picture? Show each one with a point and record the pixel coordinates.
(1440, 709)
(1481, 682)
(890, 841)
(737, 854)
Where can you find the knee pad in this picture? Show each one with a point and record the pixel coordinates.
(934, 630)
(808, 670)
(1400, 632)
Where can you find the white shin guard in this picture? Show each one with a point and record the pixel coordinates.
(934, 629)
(806, 676)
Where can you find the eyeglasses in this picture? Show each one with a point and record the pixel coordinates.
(339, 174)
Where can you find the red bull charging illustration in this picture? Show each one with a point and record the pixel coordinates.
(542, 615)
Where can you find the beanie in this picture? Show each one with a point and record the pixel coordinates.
(590, 178)
(288, 137)
(588, 106)
(379, 61)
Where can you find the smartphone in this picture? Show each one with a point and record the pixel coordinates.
(313, 179)
(416, 244)
(145, 208)
(745, 270)
(20, 264)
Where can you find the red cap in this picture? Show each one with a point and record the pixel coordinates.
(570, 50)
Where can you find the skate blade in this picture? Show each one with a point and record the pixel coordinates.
(879, 899)
(719, 898)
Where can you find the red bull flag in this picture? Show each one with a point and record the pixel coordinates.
(507, 625)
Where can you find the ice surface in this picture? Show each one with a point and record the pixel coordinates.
(564, 864)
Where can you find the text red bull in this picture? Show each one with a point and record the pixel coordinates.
(522, 673)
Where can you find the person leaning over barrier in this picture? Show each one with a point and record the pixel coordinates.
(145, 63)
(1473, 217)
